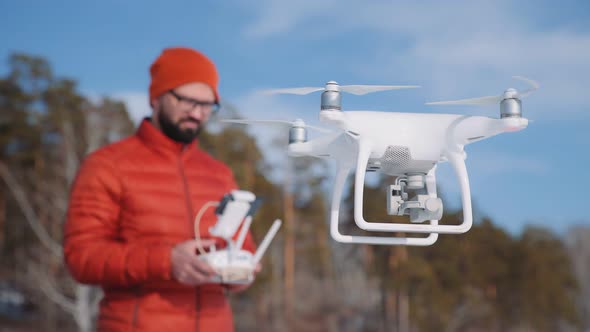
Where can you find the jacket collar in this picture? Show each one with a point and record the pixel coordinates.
(157, 141)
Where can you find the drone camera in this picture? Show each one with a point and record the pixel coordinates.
(420, 208)
(415, 181)
(394, 199)
(430, 208)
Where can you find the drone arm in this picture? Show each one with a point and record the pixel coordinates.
(334, 216)
(458, 163)
(317, 147)
(470, 129)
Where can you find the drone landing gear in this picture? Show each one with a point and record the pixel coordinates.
(458, 164)
(343, 172)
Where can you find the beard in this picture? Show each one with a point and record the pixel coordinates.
(173, 130)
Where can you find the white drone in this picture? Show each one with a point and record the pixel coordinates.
(406, 145)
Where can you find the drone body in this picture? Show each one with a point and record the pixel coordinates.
(406, 145)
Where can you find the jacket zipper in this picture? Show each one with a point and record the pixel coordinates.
(135, 310)
(189, 207)
(134, 320)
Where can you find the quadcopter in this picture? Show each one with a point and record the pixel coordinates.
(408, 146)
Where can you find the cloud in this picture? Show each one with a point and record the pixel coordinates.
(472, 67)
(280, 17)
(467, 49)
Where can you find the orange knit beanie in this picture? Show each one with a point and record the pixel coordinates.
(178, 66)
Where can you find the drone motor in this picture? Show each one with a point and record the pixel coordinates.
(297, 128)
(331, 97)
(297, 134)
(510, 108)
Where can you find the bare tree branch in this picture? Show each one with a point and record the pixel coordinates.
(96, 301)
(71, 159)
(46, 195)
(50, 290)
(96, 130)
(30, 214)
(85, 306)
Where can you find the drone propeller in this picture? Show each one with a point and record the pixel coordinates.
(491, 100)
(292, 91)
(298, 123)
(333, 86)
(364, 89)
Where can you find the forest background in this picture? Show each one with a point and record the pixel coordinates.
(485, 280)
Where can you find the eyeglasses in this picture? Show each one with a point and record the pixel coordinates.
(192, 103)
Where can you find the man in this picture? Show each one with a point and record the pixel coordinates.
(131, 215)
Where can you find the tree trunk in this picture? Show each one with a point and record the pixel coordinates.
(387, 307)
(289, 256)
(403, 308)
(2, 219)
(262, 315)
(276, 300)
(403, 311)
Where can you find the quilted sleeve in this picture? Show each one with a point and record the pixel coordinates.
(93, 251)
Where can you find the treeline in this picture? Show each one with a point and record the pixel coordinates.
(485, 280)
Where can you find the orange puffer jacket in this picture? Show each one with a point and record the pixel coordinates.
(131, 202)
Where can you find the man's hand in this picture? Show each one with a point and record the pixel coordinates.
(187, 268)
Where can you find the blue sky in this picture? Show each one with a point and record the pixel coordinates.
(453, 49)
